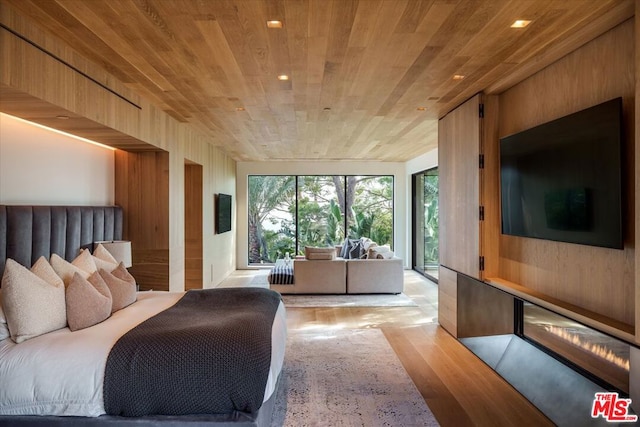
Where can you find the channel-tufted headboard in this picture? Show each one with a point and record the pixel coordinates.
(29, 232)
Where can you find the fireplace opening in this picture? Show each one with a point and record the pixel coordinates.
(596, 354)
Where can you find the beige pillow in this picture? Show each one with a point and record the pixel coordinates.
(45, 271)
(103, 258)
(33, 301)
(83, 265)
(121, 272)
(371, 250)
(4, 329)
(88, 301)
(123, 292)
(313, 253)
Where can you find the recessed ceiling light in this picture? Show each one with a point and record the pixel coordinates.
(520, 23)
(283, 77)
(62, 117)
(240, 108)
(421, 108)
(274, 24)
(458, 77)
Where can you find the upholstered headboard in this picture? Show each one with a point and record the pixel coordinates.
(29, 232)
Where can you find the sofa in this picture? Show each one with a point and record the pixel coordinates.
(322, 271)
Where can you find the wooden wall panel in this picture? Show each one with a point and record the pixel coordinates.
(99, 113)
(597, 279)
(448, 300)
(490, 188)
(483, 310)
(142, 189)
(193, 226)
(459, 193)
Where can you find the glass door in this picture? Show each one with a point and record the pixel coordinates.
(425, 223)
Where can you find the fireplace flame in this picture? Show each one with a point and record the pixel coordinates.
(595, 349)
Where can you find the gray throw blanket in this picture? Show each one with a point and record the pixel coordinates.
(210, 353)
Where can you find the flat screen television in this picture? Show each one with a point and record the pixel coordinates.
(223, 213)
(562, 180)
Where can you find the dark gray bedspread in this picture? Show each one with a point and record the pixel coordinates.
(209, 353)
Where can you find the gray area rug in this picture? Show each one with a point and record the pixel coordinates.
(346, 378)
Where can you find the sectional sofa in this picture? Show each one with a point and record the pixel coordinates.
(330, 274)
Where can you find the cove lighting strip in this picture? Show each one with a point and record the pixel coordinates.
(38, 125)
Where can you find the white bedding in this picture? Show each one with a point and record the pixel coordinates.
(62, 372)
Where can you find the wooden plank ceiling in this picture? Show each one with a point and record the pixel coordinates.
(368, 79)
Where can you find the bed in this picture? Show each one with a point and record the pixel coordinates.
(132, 368)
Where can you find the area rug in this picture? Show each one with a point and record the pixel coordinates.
(373, 300)
(348, 377)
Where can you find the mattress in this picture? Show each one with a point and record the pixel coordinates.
(62, 373)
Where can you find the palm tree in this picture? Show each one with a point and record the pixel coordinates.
(266, 193)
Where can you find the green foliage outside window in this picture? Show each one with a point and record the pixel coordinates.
(431, 256)
(320, 212)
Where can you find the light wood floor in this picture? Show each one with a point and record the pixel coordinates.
(460, 389)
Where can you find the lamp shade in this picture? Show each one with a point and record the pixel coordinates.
(119, 249)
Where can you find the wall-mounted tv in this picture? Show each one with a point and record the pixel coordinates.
(223, 213)
(562, 180)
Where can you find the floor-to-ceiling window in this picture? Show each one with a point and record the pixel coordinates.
(320, 215)
(425, 222)
(272, 217)
(287, 213)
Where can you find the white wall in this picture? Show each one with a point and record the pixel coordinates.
(41, 167)
(244, 169)
(422, 163)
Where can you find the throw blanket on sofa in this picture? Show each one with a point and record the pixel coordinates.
(209, 353)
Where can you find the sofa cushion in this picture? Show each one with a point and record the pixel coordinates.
(314, 253)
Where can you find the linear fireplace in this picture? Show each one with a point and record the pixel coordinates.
(556, 362)
(600, 356)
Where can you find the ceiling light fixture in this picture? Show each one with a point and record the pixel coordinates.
(274, 24)
(520, 23)
(61, 117)
(240, 109)
(458, 77)
(283, 77)
(421, 108)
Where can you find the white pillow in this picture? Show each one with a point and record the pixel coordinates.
(385, 255)
(376, 252)
(103, 258)
(83, 264)
(33, 301)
